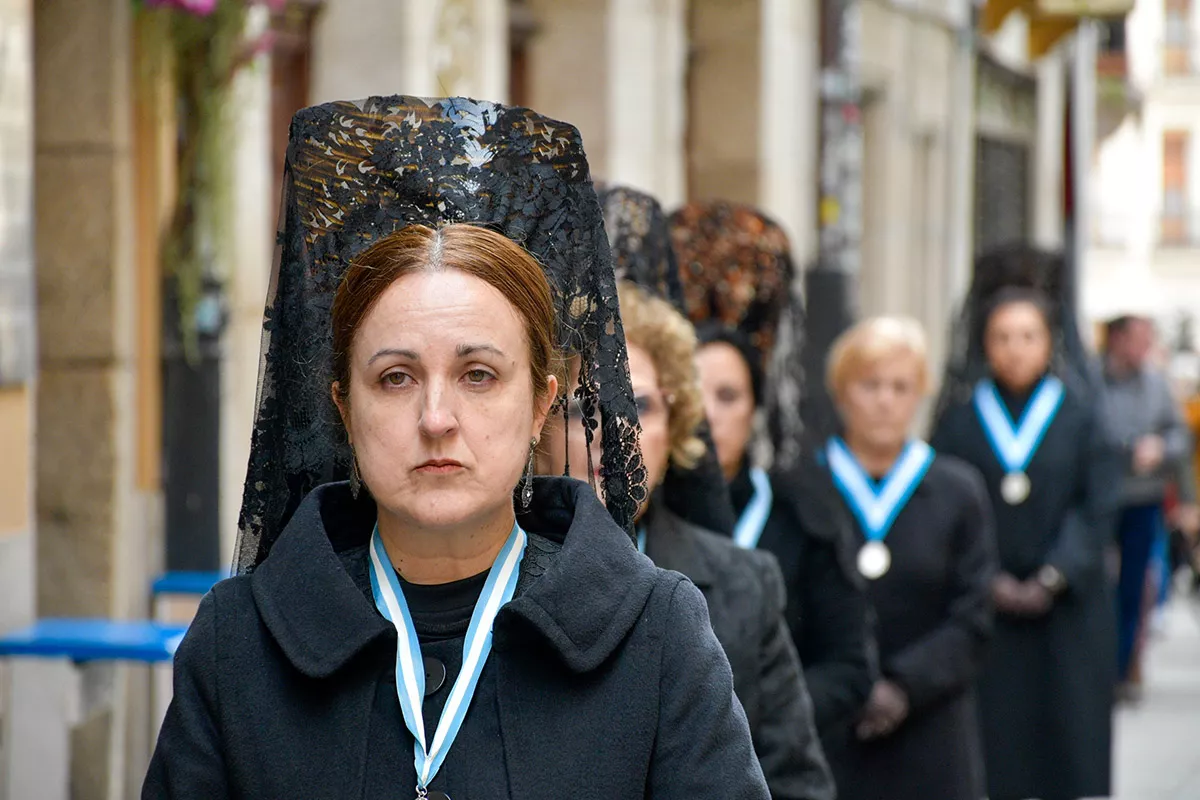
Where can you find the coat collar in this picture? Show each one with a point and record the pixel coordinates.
(670, 546)
(583, 591)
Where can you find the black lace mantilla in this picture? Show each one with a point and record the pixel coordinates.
(642, 254)
(737, 271)
(357, 171)
(1014, 266)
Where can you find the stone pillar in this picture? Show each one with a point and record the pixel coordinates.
(723, 100)
(633, 88)
(490, 80)
(1048, 152)
(90, 544)
(362, 48)
(250, 257)
(789, 111)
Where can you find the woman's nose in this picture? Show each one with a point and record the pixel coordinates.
(438, 416)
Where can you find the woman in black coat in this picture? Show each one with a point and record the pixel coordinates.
(442, 623)
(1046, 689)
(743, 589)
(924, 542)
(736, 274)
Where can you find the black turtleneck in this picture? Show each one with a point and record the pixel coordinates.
(442, 611)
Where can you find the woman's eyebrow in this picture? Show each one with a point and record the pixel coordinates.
(465, 350)
(411, 355)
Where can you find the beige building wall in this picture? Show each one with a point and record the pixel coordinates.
(913, 181)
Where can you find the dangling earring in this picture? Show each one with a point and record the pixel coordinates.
(355, 479)
(527, 489)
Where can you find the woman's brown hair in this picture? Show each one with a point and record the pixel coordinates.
(492, 257)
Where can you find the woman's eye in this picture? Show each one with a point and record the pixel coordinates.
(396, 379)
(478, 376)
(727, 394)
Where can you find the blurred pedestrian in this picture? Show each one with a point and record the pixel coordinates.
(736, 271)
(444, 623)
(1142, 417)
(1045, 692)
(925, 546)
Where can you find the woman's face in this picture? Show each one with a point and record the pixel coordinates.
(441, 408)
(1017, 343)
(878, 404)
(559, 446)
(728, 402)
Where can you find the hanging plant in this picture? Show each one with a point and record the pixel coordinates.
(203, 44)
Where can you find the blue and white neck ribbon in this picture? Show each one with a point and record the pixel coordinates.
(876, 505)
(641, 539)
(410, 670)
(750, 524)
(1015, 443)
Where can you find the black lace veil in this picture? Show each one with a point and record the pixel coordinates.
(357, 171)
(642, 254)
(737, 272)
(1014, 266)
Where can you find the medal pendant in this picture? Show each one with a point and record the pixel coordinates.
(1015, 488)
(874, 560)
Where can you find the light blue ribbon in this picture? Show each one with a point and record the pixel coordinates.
(410, 669)
(1015, 443)
(876, 506)
(749, 528)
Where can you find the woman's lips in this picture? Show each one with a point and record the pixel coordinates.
(440, 467)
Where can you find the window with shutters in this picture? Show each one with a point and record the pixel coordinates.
(1177, 37)
(1174, 222)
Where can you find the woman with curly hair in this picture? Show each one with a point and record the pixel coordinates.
(743, 588)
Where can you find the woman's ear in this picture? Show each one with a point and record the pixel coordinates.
(343, 407)
(544, 405)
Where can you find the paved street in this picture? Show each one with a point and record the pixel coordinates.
(1158, 742)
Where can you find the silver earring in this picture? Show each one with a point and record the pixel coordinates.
(527, 489)
(355, 479)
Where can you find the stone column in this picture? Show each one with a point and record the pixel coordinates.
(250, 256)
(789, 112)
(90, 544)
(633, 93)
(490, 80)
(367, 47)
(1048, 152)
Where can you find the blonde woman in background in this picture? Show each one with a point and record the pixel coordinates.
(925, 549)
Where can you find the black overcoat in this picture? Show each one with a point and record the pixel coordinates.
(745, 597)
(605, 679)
(1046, 689)
(934, 617)
(809, 533)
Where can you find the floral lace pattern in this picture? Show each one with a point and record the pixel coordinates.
(357, 171)
(736, 269)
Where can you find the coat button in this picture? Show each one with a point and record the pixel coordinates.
(435, 676)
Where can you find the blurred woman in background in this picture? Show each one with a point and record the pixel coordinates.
(1046, 688)
(737, 274)
(925, 548)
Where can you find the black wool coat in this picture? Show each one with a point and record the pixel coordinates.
(812, 536)
(933, 621)
(745, 596)
(605, 679)
(1046, 688)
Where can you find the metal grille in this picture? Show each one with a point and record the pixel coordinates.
(1001, 193)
